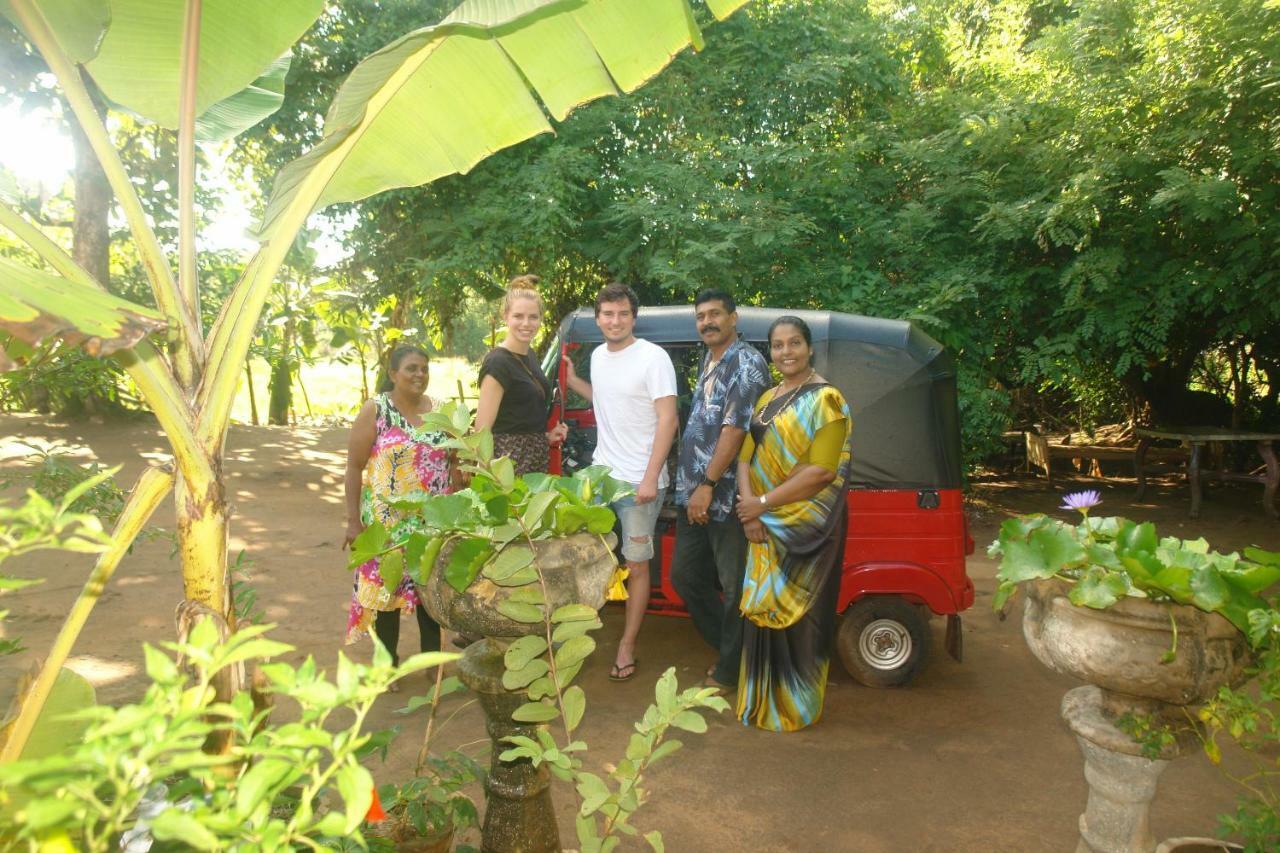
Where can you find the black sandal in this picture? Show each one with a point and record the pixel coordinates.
(625, 672)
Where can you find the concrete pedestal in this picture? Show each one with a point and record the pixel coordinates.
(1122, 782)
(518, 817)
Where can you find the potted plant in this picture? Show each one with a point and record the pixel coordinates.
(1153, 624)
(426, 813)
(524, 563)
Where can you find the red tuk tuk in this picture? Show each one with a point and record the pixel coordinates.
(907, 537)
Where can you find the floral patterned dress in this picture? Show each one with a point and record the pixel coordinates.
(405, 459)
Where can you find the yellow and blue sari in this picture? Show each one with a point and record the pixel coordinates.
(793, 577)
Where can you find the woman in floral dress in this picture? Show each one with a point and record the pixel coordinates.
(389, 456)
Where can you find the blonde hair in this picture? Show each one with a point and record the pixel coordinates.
(520, 287)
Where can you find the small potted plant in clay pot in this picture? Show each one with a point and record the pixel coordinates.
(424, 814)
(1153, 625)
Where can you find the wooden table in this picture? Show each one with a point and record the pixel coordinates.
(1198, 438)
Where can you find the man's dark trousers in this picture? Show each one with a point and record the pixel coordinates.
(711, 559)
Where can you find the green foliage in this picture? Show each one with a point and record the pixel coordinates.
(41, 524)
(495, 524)
(56, 474)
(279, 785)
(432, 803)
(475, 527)
(1107, 559)
(608, 803)
(1249, 717)
(65, 382)
(1076, 198)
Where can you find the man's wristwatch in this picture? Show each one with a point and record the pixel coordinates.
(764, 499)
(708, 481)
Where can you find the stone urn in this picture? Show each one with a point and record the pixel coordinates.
(1119, 651)
(519, 817)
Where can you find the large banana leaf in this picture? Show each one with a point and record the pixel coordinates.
(78, 25)
(245, 108)
(35, 305)
(138, 62)
(442, 98)
(133, 48)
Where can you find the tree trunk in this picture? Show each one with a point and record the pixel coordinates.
(281, 392)
(90, 231)
(253, 399)
(364, 375)
(282, 371)
(202, 542)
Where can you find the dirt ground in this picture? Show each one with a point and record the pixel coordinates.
(971, 757)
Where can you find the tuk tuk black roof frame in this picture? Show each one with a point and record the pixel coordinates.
(936, 409)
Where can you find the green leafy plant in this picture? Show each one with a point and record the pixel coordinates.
(1249, 717)
(431, 804)
(53, 474)
(38, 524)
(491, 528)
(143, 768)
(1107, 559)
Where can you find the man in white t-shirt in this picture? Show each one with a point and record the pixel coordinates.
(633, 392)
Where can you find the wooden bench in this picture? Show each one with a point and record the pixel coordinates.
(1041, 453)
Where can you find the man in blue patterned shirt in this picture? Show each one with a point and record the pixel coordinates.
(711, 549)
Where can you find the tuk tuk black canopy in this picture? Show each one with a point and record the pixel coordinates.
(900, 384)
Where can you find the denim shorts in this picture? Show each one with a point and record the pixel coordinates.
(638, 522)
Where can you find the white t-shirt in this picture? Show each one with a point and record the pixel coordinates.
(624, 385)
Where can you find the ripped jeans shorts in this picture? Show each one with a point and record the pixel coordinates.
(638, 522)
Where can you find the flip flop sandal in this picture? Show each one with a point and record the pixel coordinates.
(623, 673)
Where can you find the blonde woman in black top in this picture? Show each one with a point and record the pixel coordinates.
(514, 393)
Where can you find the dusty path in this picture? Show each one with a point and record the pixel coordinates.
(972, 757)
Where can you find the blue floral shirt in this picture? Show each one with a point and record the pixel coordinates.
(725, 395)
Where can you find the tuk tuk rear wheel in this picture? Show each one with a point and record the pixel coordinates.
(883, 640)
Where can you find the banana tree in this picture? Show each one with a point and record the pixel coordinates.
(432, 103)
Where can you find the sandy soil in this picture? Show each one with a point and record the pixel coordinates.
(971, 757)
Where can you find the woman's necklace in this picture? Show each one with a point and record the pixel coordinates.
(794, 391)
(520, 359)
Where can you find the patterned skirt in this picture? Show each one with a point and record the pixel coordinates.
(529, 451)
(371, 595)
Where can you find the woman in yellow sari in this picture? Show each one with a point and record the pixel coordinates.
(792, 476)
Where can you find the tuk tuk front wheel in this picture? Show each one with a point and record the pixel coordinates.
(883, 640)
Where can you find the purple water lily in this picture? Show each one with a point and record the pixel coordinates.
(1082, 502)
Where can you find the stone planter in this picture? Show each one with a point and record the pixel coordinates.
(519, 817)
(577, 570)
(1119, 651)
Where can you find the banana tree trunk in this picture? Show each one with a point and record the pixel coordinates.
(202, 541)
